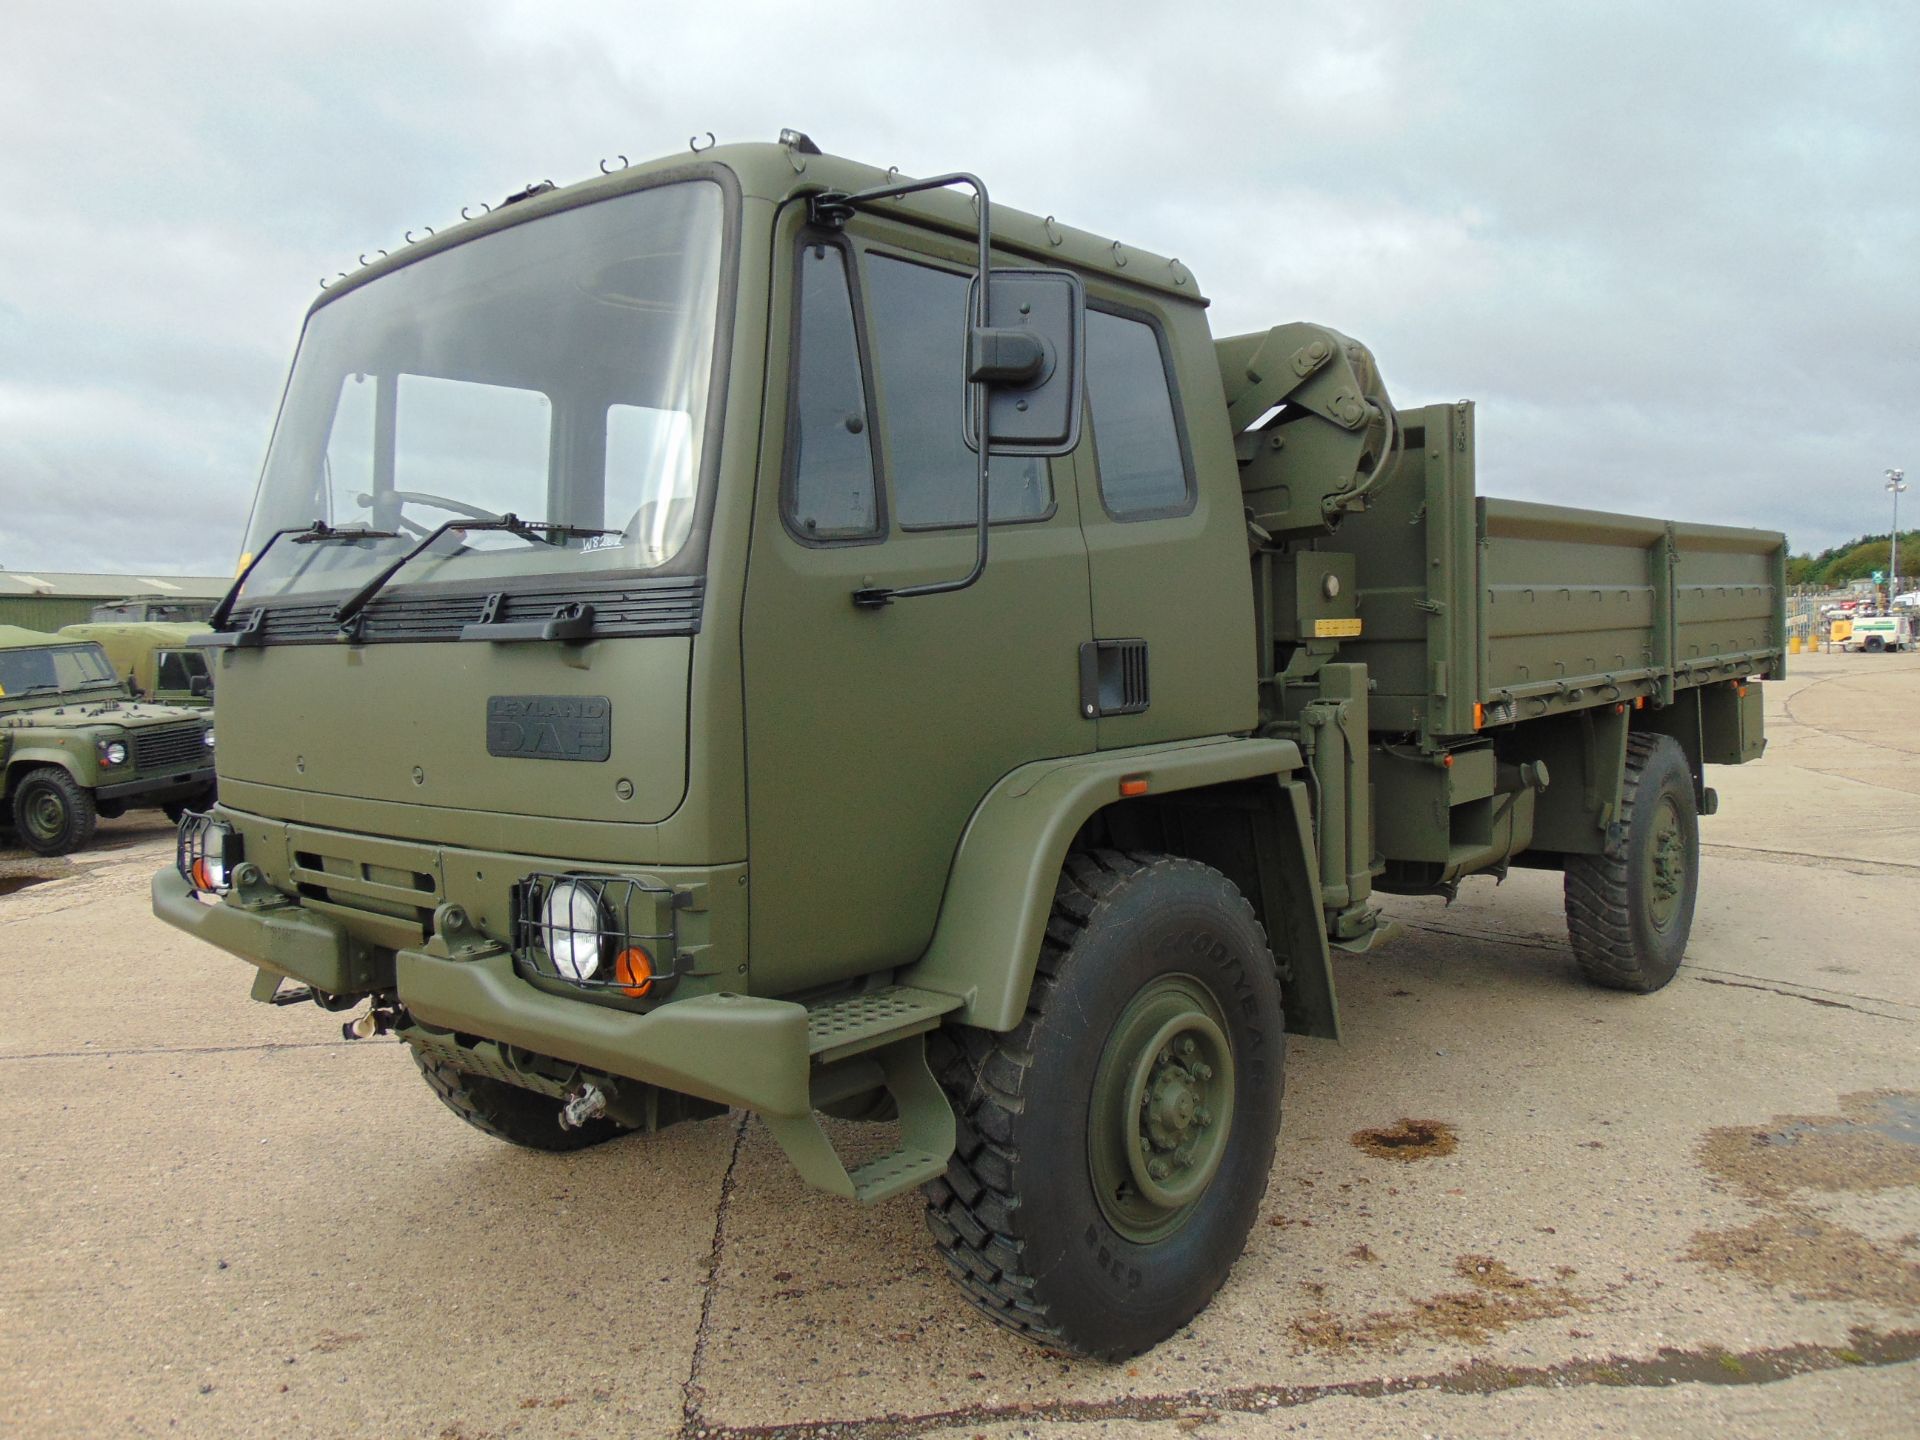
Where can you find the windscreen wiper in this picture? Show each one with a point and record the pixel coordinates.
(539, 531)
(312, 534)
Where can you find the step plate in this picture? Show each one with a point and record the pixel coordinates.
(875, 1017)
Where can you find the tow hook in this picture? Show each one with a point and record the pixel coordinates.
(375, 1020)
(582, 1105)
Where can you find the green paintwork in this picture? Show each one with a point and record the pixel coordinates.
(1364, 676)
(1001, 887)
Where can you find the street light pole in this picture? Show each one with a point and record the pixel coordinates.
(1896, 482)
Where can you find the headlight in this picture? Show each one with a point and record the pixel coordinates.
(208, 737)
(111, 752)
(574, 929)
(207, 852)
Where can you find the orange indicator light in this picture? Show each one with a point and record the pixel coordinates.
(201, 880)
(1479, 715)
(633, 968)
(1133, 785)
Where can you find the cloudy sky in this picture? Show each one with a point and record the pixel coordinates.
(1672, 249)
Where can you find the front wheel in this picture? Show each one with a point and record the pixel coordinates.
(1630, 908)
(53, 812)
(1114, 1147)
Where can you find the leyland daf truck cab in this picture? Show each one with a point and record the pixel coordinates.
(755, 630)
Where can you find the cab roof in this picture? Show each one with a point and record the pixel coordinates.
(775, 173)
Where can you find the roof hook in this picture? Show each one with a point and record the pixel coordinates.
(693, 143)
(409, 235)
(485, 209)
(605, 169)
(1054, 237)
(381, 253)
(1180, 272)
(1119, 257)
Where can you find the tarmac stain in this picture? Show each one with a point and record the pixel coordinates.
(1498, 1301)
(1783, 1168)
(330, 1342)
(1408, 1140)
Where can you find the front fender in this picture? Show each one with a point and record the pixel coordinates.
(30, 756)
(986, 943)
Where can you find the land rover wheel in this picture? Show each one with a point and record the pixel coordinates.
(52, 812)
(506, 1112)
(1629, 909)
(1114, 1147)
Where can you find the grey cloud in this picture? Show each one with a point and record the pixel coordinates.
(1667, 248)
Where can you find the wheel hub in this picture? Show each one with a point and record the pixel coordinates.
(1666, 864)
(1163, 1107)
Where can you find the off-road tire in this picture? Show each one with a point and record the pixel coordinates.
(1614, 915)
(53, 814)
(506, 1112)
(1016, 1216)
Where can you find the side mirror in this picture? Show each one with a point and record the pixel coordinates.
(200, 685)
(1030, 356)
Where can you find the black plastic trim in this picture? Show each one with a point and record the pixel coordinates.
(666, 605)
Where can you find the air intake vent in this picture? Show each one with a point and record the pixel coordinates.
(1113, 678)
(165, 747)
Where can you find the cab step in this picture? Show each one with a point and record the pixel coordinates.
(876, 1035)
(873, 1018)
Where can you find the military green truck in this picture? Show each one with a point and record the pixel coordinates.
(751, 630)
(75, 747)
(154, 657)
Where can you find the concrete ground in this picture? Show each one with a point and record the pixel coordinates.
(1696, 1212)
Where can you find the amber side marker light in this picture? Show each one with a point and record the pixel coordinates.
(1479, 715)
(1133, 785)
(633, 968)
(201, 879)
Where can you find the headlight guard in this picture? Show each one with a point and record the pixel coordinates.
(607, 933)
(206, 852)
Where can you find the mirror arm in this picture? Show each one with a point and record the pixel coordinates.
(832, 209)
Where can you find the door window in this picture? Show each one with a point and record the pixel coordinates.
(917, 318)
(1143, 471)
(830, 491)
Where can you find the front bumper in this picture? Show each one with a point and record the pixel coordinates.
(160, 788)
(733, 1049)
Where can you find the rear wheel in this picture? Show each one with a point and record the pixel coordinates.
(506, 1112)
(53, 812)
(1630, 909)
(1114, 1147)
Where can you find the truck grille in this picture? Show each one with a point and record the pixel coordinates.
(166, 747)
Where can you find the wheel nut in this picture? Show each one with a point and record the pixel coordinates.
(1203, 1072)
(1186, 1046)
(1159, 1169)
(1204, 1119)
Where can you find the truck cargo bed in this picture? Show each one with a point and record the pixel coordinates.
(1478, 612)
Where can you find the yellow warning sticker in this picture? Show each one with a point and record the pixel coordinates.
(1336, 629)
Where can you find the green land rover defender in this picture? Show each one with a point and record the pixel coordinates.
(74, 746)
(751, 630)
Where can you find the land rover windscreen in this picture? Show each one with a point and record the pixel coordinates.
(506, 430)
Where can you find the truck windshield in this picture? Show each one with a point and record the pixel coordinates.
(557, 369)
(54, 670)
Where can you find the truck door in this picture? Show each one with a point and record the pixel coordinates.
(872, 734)
(1166, 535)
